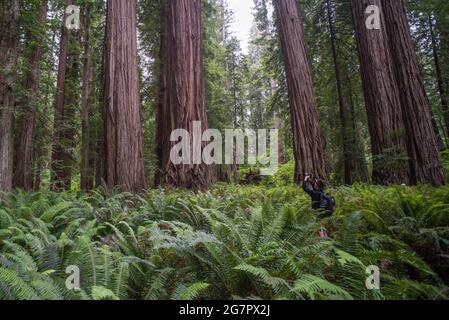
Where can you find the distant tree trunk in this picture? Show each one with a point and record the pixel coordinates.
(281, 147)
(425, 164)
(23, 171)
(381, 98)
(123, 140)
(40, 154)
(361, 173)
(161, 114)
(234, 166)
(100, 130)
(308, 141)
(86, 169)
(9, 15)
(344, 112)
(272, 85)
(439, 74)
(182, 91)
(59, 174)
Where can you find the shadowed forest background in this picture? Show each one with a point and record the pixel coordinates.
(86, 178)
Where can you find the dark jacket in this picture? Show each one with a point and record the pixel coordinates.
(314, 194)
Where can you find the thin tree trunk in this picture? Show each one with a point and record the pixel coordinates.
(308, 141)
(345, 129)
(123, 140)
(182, 91)
(58, 181)
(381, 98)
(86, 169)
(161, 114)
(23, 172)
(100, 172)
(439, 74)
(281, 147)
(234, 165)
(9, 15)
(360, 165)
(422, 146)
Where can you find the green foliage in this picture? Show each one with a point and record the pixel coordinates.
(230, 242)
(445, 160)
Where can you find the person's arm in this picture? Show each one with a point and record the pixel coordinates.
(306, 188)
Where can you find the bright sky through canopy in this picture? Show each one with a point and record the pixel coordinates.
(243, 21)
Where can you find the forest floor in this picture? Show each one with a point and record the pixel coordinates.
(231, 242)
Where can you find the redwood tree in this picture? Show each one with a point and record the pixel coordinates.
(123, 142)
(68, 68)
(182, 97)
(86, 156)
(422, 146)
(23, 164)
(439, 75)
(9, 15)
(308, 141)
(382, 100)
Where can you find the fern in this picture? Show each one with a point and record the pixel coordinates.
(313, 286)
(191, 292)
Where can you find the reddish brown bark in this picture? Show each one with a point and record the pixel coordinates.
(123, 142)
(422, 146)
(381, 98)
(86, 163)
(9, 15)
(23, 171)
(182, 98)
(308, 141)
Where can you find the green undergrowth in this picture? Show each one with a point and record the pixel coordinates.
(233, 242)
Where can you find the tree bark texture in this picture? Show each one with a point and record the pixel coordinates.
(422, 146)
(123, 141)
(382, 100)
(9, 15)
(308, 140)
(23, 171)
(182, 95)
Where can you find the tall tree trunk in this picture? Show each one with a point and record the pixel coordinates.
(86, 169)
(182, 91)
(100, 130)
(123, 140)
(161, 114)
(23, 171)
(59, 176)
(381, 98)
(439, 74)
(272, 85)
(344, 113)
(422, 146)
(9, 15)
(308, 141)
